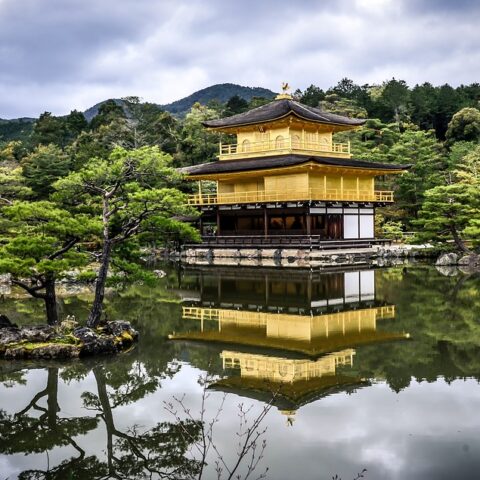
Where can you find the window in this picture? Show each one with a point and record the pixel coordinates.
(246, 146)
(279, 142)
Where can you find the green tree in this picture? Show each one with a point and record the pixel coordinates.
(451, 211)
(464, 126)
(346, 88)
(50, 129)
(423, 100)
(38, 246)
(392, 230)
(88, 145)
(394, 98)
(198, 144)
(312, 96)
(448, 102)
(258, 102)
(127, 192)
(12, 186)
(75, 123)
(45, 165)
(149, 125)
(108, 112)
(235, 105)
(421, 150)
(342, 106)
(11, 152)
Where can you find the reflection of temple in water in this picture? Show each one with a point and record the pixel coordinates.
(286, 333)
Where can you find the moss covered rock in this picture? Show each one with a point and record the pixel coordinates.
(68, 340)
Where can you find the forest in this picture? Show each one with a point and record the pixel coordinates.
(73, 191)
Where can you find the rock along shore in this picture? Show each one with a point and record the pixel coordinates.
(305, 257)
(67, 340)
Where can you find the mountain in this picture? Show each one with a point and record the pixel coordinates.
(20, 128)
(221, 92)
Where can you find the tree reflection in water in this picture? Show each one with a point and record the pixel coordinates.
(169, 450)
(159, 451)
(26, 433)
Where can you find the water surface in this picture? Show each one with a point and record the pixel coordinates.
(374, 369)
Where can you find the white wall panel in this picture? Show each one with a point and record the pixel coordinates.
(350, 226)
(366, 226)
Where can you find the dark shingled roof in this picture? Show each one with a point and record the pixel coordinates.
(289, 396)
(278, 161)
(279, 109)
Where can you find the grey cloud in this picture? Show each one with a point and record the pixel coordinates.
(62, 54)
(456, 7)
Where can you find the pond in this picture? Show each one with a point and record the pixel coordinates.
(342, 372)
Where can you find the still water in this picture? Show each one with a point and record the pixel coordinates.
(342, 370)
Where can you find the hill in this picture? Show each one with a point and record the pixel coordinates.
(221, 92)
(20, 128)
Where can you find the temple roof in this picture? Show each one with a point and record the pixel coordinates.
(278, 161)
(279, 109)
(289, 396)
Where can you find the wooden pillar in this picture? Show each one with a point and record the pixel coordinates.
(218, 223)
(308, 222)
(265, 222)
(309, 291)
(267, 290)
(200, 225)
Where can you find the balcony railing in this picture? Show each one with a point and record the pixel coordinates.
(260, 318)
(283, 146)
(291, 196)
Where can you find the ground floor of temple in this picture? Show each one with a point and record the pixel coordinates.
(322, 222)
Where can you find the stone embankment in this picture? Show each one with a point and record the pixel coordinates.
(452, 263)
(67, 340)
(285, 257)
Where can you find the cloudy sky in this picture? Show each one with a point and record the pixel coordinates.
(57, 55)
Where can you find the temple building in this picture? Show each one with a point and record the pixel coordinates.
(294, 336)
(285, 180)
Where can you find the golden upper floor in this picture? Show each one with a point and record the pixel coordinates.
(283, 141)
(283, 370)
(281, 127)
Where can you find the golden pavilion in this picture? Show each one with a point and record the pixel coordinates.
(285, 181)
